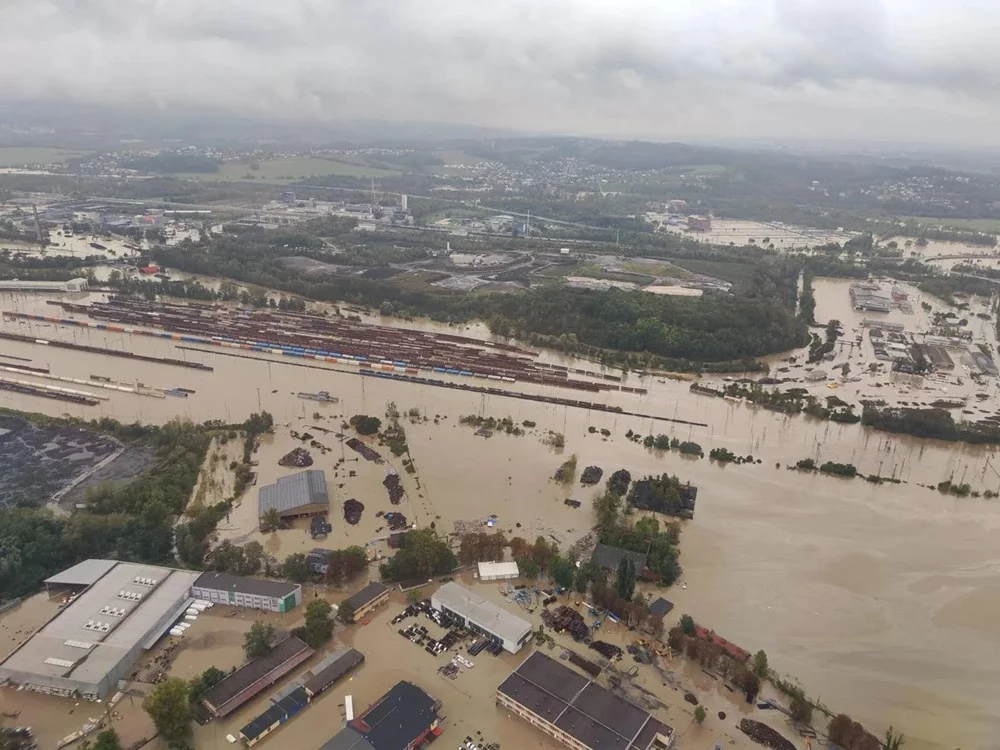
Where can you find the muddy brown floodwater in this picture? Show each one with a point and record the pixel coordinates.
(863, 592)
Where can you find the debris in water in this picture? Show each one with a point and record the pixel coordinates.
(394, 486)
(366, 453)
(763, 734)
(299, 457)
(353, 510)
(591, 475)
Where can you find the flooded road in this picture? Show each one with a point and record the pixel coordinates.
(855, 589)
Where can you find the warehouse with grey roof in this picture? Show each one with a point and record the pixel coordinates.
(576, 711)
(120, 611)
(299, 495)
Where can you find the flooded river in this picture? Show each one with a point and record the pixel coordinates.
(858, 590)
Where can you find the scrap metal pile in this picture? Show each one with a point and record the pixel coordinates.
(366, 453)
(763, 734)
(395, 488)
(353, 510)
(397, 521)
(298, 457)
(566, 619)
(607, 650)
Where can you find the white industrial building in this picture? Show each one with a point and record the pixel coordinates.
(73, 285)
(482, 615)
(498, 571)
(119, 611)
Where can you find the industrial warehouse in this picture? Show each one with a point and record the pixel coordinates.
(299, 495)
(120, 610)
(576, 711)
(255, 676)
(255, 593)
(482, 615)
(301, 693)
(370, 598)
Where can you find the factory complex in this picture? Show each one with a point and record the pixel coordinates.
(116, 611)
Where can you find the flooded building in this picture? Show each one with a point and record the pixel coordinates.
(253, 677)
(498, 571)
(117, 612)
(870, 297)
(482, 615)
(284, 706)
(299, 694)
(255, 593)
(337, 665)
(402, 719)
(299, 495)
(73, 285)
(576, 711)
(370, 598)
(699, 223)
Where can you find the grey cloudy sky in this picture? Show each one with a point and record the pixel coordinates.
(924, 70)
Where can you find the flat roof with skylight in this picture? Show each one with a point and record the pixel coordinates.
(93, 642)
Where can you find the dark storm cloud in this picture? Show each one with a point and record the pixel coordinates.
(645, 67)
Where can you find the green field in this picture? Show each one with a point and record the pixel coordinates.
(972, 225)
(291, 169)
(19, 156)
(735, 273)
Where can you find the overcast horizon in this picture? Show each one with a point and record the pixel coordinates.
(896, 71)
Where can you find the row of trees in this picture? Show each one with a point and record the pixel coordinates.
(422, 555)
(929, 423)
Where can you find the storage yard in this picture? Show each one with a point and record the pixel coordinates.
(324, 339)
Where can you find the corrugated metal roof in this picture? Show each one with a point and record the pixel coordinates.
(235, 683)
(294, 491)
(331, 669)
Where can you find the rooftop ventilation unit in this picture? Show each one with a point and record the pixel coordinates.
(59, 662)
(79, 644)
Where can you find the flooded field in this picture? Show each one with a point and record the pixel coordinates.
(764, 234)
(851, 587)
